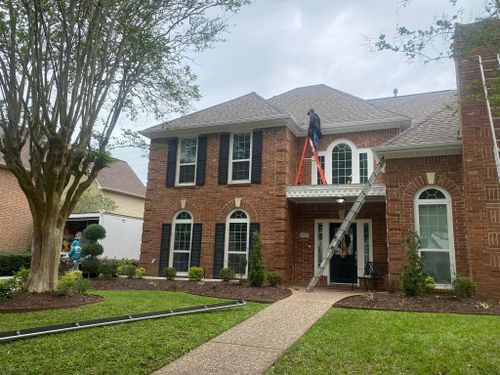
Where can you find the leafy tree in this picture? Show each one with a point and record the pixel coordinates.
(256, 272)
(91, 201)
(68, 71)
(437, 41)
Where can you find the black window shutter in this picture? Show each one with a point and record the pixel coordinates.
(223, 158)
(164, 247)
(201, 160)
(220, 232)
(171, 161)
(196, 246)
(256, 156)
(254, 227)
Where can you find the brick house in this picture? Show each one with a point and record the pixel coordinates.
(219, 174)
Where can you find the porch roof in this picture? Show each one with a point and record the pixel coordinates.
(329, 193)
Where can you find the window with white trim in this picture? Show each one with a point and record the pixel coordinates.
(240, 157)
(237, 242)
(181, 242)
(344, 163)
(434, 225)
(186, 161)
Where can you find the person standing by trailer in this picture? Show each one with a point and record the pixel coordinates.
(75, 254)
(314, 131)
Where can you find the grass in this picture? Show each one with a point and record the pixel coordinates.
(346, 341)
(133, 348)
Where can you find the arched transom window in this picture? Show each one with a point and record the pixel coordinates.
(181, 242)
(434, 224)
(237, 241)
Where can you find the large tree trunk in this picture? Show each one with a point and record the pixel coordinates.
(46, 249)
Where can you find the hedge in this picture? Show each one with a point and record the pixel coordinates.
(11, 262)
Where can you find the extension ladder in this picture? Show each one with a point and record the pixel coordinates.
(344, 227)
(298, 179)
(494, 70)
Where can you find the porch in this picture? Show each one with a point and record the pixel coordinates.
(318, 212)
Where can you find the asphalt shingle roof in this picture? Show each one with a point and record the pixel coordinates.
(244, 107)
(333, 106)
(435, 119)
(120, 177)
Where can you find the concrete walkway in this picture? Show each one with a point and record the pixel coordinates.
(254, 345)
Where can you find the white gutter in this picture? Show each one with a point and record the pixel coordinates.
(409, 151)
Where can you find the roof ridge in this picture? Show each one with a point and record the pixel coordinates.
(415, 94)
(269, 104)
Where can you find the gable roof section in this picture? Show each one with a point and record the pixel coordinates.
(335, 108)
(119, 177)
(246, 108)
(435, 123)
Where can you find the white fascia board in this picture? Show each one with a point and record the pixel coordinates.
(411, 151)
(84, 216)
(332, 191)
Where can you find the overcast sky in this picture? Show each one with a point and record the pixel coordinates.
(277, 45)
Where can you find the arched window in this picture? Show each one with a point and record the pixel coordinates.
(237, 241)
(181, 242)
(341, 164)
(344, 163)
(433, 219)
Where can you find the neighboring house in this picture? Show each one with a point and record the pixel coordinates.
(123, 223)
(219, 174)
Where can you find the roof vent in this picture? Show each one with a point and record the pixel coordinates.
(395, 92)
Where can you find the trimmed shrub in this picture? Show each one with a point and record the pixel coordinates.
(65, 284)
(94, 232)
(90, 265)
(393, 283)
(92, 249)
(170, 273)
(130, 270)
(11, 262)
(196, 273)
(256, 271)
(274, 278)
(429, 285)
(108, 269)
(464, 287)
(413, 276)
(226, 274)
(139, 272)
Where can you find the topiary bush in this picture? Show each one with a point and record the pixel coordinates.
(139, 272)
(274, 278)
(256, 272)
(196, 273)
(226, 274)
(170, 273)
(92, 249)
(464, 286)
(94, 232)
(90, 266)
(413, 276)
(11, 262)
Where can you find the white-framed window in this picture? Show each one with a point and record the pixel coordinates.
(434, 224)
(344, 163)
(186, 161)
(240, 157)
(182, 235)
(237, 242)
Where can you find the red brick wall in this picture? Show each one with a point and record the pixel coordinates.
(15, 218)
(481, 182)
(403, 178)
(209, 204)
(365, 139)
(305, 214)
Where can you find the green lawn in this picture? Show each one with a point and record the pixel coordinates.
(346, 341)
(133, 348)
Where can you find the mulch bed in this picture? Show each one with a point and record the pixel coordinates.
(443, 303)
(211, 289)
(43, 301)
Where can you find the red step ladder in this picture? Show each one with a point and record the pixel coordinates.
(298, 179)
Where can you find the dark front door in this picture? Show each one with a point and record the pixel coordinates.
(343, 265)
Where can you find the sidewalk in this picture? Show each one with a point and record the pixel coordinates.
(254, 345)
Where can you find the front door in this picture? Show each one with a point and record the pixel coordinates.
(343, 265)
